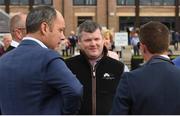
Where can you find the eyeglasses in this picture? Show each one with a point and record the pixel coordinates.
(21, 28)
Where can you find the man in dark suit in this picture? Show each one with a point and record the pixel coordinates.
(17, 29)
(33, 78)
(155, 87)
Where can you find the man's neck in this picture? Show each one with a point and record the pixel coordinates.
(93, 62)
(149, 56)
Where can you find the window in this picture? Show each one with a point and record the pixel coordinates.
(43, 2)
(125, 2)
(19, 2)
(169, 2)
(1, 2)
(157, 2)
(145, 2)
(84, 2)
(81, 19)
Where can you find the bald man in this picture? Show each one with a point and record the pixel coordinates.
(17, 29)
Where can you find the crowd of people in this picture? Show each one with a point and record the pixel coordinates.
(35, 79)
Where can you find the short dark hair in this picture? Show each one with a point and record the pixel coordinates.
(88, 26)
(38, 15)
(155, 36)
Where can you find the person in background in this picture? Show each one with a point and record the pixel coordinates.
(176, 61)
(17, 29)
(135, 43)
(61, 48)
(98, 72)
(7, 39)
(154, 88)
(1, 48)
(72, 39)
(108, 42)
(34, 79)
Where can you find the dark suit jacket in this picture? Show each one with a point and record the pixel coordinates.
(151, 89)
(34, 80)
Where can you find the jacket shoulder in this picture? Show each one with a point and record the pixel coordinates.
(73, 59)
(113, 61)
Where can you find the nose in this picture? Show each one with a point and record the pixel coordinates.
(92, 43)
(62, 36)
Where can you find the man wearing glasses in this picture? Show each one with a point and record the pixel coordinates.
(17, 29)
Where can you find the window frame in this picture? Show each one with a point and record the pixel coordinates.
(84, 3)
(125, 3)
(19, 2)
(153, 3)
(51, 2)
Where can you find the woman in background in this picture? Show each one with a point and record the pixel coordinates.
(109, 43)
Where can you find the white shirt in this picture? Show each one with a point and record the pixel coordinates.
(165, 56)
(14, 43)
(36, 40)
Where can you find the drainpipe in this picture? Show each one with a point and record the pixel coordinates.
(7, 3)
(107, 14)
(31, 3)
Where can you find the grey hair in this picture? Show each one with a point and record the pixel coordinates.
(37, 16)
(88, 26)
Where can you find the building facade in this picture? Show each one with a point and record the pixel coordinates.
(113, 14)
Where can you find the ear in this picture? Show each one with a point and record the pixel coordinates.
(44, 28)
(142, 48)
(79, 42)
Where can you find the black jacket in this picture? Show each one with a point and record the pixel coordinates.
(108, 72)
(10, 48)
